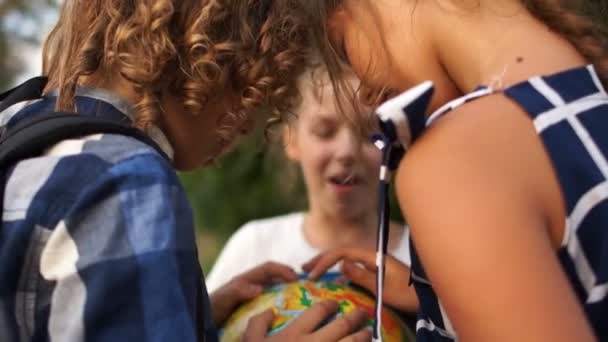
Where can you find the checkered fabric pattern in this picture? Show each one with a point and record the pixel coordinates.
(97, 242)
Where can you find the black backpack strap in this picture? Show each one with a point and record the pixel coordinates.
(29, 138)
(27, 91)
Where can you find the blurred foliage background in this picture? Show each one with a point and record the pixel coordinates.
(250, 182)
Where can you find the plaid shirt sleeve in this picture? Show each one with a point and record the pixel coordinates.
(124, 260)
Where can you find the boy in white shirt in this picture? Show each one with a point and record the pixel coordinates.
(340, 167)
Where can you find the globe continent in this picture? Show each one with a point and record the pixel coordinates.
(288, 301)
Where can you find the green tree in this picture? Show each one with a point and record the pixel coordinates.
(249, 183)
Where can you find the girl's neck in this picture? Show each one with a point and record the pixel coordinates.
(325, 230)
(498, 49)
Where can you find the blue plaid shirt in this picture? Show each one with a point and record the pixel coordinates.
(97, 241)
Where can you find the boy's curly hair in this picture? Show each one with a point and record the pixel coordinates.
(198, 49)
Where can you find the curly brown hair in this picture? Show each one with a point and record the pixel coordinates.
(581, 22)
(197, 49)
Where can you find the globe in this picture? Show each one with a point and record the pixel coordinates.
(288, 301)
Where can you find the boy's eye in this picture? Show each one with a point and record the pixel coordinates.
(323, 131)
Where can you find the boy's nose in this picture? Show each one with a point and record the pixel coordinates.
(348, 146)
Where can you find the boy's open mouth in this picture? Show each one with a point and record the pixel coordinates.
(344, 180)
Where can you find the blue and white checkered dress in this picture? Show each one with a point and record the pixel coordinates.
(570, 113)
(97, 241)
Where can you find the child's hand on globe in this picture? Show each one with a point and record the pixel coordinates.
(246, 286)
(345, 328)
(359, 267)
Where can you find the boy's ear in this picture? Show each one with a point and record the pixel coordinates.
(292, 150)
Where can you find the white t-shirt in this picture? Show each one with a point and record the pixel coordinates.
(279, 239)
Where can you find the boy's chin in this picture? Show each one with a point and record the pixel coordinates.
(348, 209)
(192, 161)
(185, 164)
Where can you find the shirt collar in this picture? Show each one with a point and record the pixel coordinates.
(125, 107)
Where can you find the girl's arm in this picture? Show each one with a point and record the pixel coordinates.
(481, 199)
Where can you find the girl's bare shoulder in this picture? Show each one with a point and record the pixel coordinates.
(487, 134)
(478, 191)
(487, 145)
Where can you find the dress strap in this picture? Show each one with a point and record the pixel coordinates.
(448, 107)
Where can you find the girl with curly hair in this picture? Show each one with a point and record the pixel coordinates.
(505, 179)
(97, 239)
